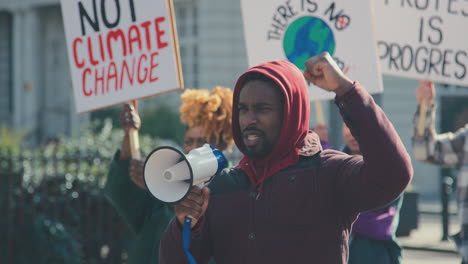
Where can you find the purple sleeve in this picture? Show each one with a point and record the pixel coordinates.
(326, 145)
(384, 170)
(376, 224)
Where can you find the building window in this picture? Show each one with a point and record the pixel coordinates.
(181, 20)
(187, 30)
(6, 73)
(195, 21)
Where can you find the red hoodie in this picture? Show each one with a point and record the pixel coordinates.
(306, 209)
(295, 120)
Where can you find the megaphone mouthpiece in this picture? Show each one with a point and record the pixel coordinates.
(178, 172)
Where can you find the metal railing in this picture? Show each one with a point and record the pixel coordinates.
(53, 210)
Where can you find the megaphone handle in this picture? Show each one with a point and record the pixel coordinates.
(186, 239)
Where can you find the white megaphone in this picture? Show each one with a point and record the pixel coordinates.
(169, 174)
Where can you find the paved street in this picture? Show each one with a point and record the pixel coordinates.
(429, 257)
(423, 246)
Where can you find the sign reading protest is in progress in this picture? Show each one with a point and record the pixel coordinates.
(120, 50)
(296, 30)
(424, 39)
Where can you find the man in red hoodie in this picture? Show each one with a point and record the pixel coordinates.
(288, 201)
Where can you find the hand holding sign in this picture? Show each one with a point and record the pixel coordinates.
(323, 71)
(425, 93)
(130, 122)
(129, 118)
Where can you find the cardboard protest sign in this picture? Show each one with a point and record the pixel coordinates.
(120, 50)
(423, 39)
(296, 30)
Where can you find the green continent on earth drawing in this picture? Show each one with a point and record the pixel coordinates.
(307, 37)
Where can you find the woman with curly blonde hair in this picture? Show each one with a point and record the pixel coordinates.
(210, 114)
(208, 119)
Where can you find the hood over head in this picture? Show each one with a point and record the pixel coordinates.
(294, 130)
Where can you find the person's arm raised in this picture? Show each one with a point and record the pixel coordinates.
(443, 149)
(131, 123)
(384, 170)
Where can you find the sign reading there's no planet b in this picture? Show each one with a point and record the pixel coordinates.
(296, 30)
(424, 39)
(120, 50)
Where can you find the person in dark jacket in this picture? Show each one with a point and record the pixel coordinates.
(448, 149)
(373, 237)
(288, 201)
(208, 118)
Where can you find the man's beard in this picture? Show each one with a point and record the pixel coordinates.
(266, 148)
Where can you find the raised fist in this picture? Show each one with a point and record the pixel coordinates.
(323, 71)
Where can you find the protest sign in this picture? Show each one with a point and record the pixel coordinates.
(120, 50)
(296, 30)
(423, 39)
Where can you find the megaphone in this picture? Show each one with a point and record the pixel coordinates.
(169, 174)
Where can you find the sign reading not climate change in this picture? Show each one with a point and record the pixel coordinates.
(297, 30)
(120, 50)
(424, 39)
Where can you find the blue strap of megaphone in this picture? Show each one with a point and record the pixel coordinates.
(186, 239)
